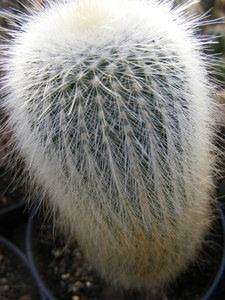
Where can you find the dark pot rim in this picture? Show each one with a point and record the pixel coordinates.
(29, 254)
(17, 208)
(14, 212)
(210, 288)
(22, 258)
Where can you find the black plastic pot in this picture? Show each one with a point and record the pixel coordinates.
(216, 240)
(13, 221)
(15, 201)
(9, 214)
(31, 234)
(16, 278)
(15, 213)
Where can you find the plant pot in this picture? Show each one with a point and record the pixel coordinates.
(204, 275)
(16, 279)
(12, 213)
(12, 194)
(12, 199)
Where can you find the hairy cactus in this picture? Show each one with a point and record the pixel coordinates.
(109, 104)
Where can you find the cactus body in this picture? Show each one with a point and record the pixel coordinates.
(110, 109)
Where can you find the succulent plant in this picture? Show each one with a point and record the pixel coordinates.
(110, 108)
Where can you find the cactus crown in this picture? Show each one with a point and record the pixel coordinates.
(111, 112)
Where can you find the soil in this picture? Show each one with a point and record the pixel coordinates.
(15, 279)
(64, 269)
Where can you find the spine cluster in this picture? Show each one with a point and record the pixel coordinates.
(110, 108)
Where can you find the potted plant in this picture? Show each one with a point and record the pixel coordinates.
(110, 108)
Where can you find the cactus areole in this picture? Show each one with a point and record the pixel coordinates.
(109, 105)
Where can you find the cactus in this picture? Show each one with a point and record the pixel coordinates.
(110, 108)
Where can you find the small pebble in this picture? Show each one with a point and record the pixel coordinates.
(3, 200)
(3, 280)
(76, 286)
(4, 288)
(79, 284)
(88, 283)
(56, 253)
(65, 276)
